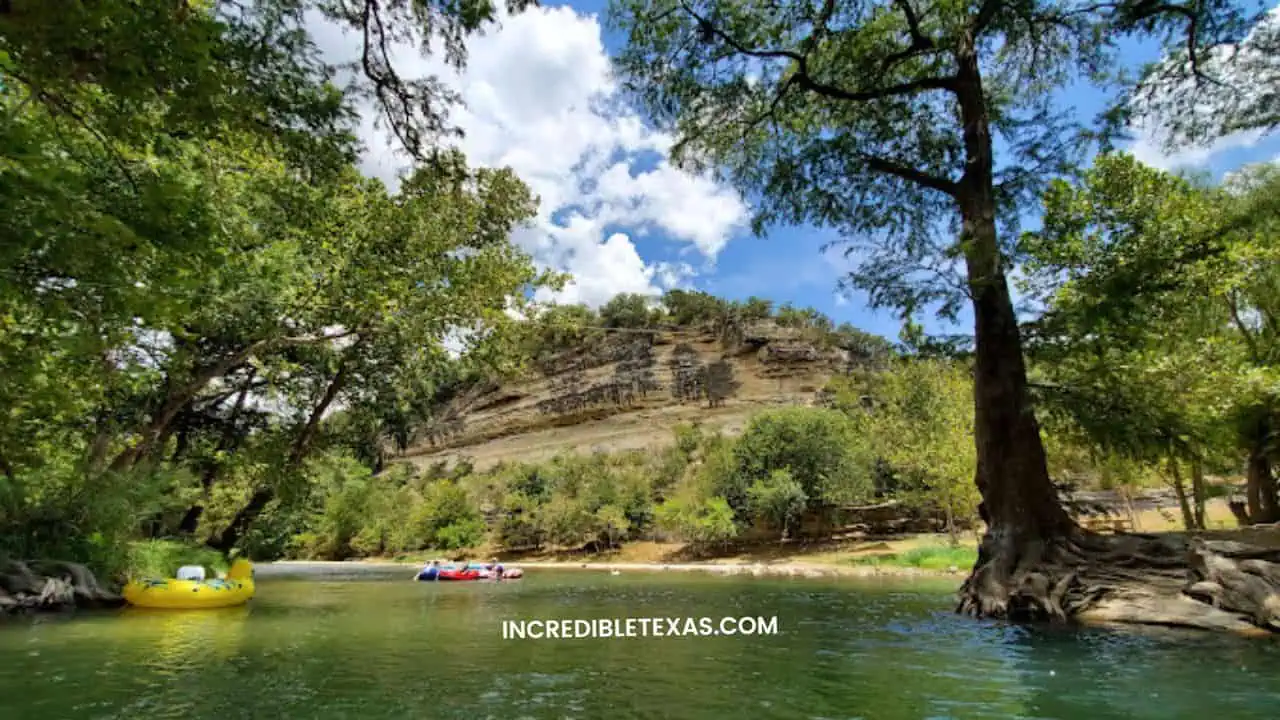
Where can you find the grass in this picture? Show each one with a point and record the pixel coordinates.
(162, 558)
(929, 557)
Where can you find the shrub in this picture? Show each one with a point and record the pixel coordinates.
(820, 448)
(932, 557)
(778, 501)
(518, 525)
(688, 437)
(446, 517)
(59, 512)
(162, 558)
(628, 310)
(465, 533)
(699, 522)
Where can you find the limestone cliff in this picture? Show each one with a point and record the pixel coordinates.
(628, 389)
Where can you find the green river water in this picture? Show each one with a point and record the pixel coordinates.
(369, 647)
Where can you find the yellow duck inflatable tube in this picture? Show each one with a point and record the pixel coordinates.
(171, 593)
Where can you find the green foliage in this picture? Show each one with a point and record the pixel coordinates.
(848, 117)
(688, 438)
(162, 558)
(692, 307)
(819, 448)
(446, 518)
(936, 557)
(699, 522)
(58, 512)
(186, 228)
(629, 310)
(918, 418)
(1184, 102)
(779, 500)
(1157, 342)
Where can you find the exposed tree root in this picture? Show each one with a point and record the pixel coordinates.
(1144, 579)
(51, 585)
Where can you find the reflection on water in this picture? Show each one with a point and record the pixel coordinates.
(368, 648)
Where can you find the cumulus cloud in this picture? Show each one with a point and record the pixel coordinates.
(1148, 148)
(540, 98)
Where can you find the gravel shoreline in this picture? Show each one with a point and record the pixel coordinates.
(319, 568)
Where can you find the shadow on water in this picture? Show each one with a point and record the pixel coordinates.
(1147, 672)
(365, 648)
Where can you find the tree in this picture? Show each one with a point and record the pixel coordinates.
(692, 307)
(212, 66)
(919, 420)
(627, 310)
(778, 500)
(818, 448)
(413, 268)
(878, 119)
(1156, 339)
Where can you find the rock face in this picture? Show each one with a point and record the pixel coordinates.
(627, 389)
(50, 585)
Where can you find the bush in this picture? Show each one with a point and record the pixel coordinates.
(688, 437)
(518, 526)
(446, 517)
(690, 308)
(820, 448)
(629, 310)
(60, 513)
(466, 533)
(698, 522)
(779, 501)
(162, 558)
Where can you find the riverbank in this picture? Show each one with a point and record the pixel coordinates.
(805, 570)
(916, 555)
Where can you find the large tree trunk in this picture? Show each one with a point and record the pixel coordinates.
(297, 453)
(1019, 504)
(1034, 561)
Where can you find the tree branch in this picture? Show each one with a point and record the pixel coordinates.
(910, 174)
(1233, 305)
(806, 81)
(919, 41)
(985, 14)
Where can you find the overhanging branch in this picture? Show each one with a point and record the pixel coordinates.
(805, 80)
(910, 174)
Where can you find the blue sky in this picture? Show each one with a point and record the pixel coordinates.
(540, 98)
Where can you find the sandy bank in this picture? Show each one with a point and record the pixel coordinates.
(804, 570)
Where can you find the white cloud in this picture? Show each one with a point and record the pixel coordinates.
(540, 97)
(1147, 149)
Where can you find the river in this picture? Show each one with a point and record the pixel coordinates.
(370, 645)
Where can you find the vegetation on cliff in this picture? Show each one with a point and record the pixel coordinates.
(791, 472)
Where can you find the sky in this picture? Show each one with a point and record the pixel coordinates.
(539, 96)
